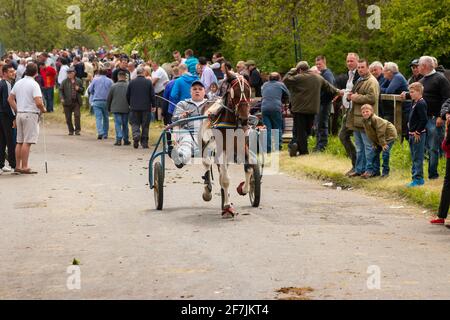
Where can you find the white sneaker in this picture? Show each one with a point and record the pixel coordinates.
(6, 169)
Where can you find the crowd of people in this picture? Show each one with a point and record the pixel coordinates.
(137, 92)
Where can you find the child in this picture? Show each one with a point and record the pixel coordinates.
(213, 91)
(417, 123)
(382, 134)
(445, 195)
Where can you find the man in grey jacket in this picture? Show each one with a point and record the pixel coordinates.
(186, 145)
(117, 104)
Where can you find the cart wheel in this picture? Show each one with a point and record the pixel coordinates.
(222, 195)
(158, 186)
(255, 186)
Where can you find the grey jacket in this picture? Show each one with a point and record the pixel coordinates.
(189, 106)
(117, 98)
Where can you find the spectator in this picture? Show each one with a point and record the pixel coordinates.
(63, 71)
(274, 93)
(70, 91)
(217, 60)
(326, 99)
(417, 125)
(7, 120)
(26, 100)
(48, 74)
(159, 81)
(445, 195)
(132, 70)
(182, 87)
(191, 61)
(416, 76)
(365, 91)
(395, 83)
(177, 57)
(242, 70)
(21, 69)
(255, 77)
(213, 91)
(117, 104)
(78, 65)
(436, 92)
(376, 69)
(304, 87)
(141, 99)
(382, 134)
(99, 90)
(207, 74)
(345, 134)
(123, 66)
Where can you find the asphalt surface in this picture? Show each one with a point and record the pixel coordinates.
(94, 205)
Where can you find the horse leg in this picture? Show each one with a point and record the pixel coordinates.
(228, 210)
(207, 165)
(244, 187)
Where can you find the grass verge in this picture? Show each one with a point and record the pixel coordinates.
(332, 165)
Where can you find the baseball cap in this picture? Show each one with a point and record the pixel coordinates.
(415, 62)
(71, 69)
(250, 63)
(197, 82)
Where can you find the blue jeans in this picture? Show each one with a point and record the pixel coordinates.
(385, 155)
(273, 120)
(48, 97)
(417, 155)
(433, 144)
(101, 117)
(121, 125)
(364, 152)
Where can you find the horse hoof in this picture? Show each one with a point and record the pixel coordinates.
(207, 196)
(229, 212)
(240, 189)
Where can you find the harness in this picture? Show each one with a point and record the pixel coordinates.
(229, 96)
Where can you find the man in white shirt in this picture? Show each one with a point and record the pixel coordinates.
(159, 80)
(63, 71)
(26, 101)
(21, 69)
(345, 134)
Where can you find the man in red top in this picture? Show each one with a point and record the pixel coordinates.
(48, 74)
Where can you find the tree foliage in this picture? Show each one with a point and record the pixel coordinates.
(39, 25)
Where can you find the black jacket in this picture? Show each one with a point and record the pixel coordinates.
(141, 95)
(5, 108)
(418, 119)
(256, 82)
(436, 91)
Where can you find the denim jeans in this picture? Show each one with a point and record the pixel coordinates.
(417, 155)
(121, 125)
(433, 144)
(322, 125)
(364, 152)
(385, 155)
(48, 97)
(101, 117)
(273, 120)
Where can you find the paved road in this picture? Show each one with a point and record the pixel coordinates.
(94, 205)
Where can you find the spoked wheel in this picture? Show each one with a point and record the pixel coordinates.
(158, 187)
(255, 186)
